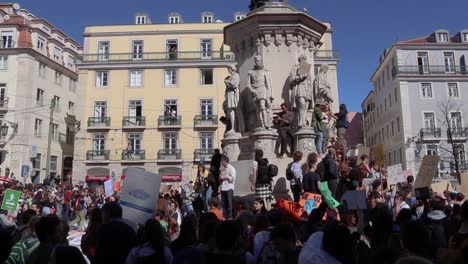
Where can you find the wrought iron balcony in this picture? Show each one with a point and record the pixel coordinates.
(97, 155)
(134, 121)
(327, 55)
(430, 133)
(99, 122)
(4, 104)
(157, 57)
(170, 121)
(459, 132)
(206, 121)
(7, 44)
(169, 154)
(204, 154)
(429, 70)
(133, 155)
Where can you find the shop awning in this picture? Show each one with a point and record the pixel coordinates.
(101, 178)
(170, 174)
(97, 175)
(171, 178)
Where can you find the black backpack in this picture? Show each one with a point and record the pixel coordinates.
(272, 170)
(262, 172)
(289, 172)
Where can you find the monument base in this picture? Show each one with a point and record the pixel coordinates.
(305, 141)
(231, 147)
(266, 141)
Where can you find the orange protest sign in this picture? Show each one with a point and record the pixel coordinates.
(307, 203)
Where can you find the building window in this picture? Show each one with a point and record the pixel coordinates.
(206, 76)
(40, 43)
(170, 140)
(58, 78)
(431, 150)
(429, 121)
(70, 137)
(103, 50)
(136, 78)
(172, 46)
(4, 62)
(56, 103)
(396, 95)
(393, 128)
(390, 100)
(38, 128)
(398, 124)
(100, 109)
(71, 108)
(423, 63)
(465, 37)
(37, 162)
(442, 37)
(388, 132)
(42, 70)
(71, 61)
(99, 142)
(453, 90)
(53, 163)
(459, 152)
(135, 108)
(174, 19)
(449, 61)
(134, 141)
(170, 77)
(137, 49)
(456, 122)
(207, 19)
(239, 17)
(205, 47)
(7, 39)
(40, 96)
(72, 85)
(140, 20)
(55, 132)
(206, 106)
(57, 53)
(206, 140)
(102, 78)
(426, 90)
(385, 105)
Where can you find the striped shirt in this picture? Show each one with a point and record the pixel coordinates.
(21, 251)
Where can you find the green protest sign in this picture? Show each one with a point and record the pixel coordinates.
(10, 200)
(327, 196)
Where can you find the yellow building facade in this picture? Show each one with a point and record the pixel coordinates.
(152, 95)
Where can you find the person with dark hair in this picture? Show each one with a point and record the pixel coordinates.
(115, 238)
(259, 207)
(283, 121)
(228, 180)
(28, 243)
(330, 171)
(296, 179)
(214, 208)
(88, 241)
(67, 254)
(151, 248)
(261, 180)
(311, 179)
(342, 124)
(23, 221)
(50, 231)
(282, 246)
(416, 239)
(206, 232)
(184, 248)
(6, 244)
(262, 229)
(215, 166)
(457, 251)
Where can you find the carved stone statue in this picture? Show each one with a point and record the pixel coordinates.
(322, 85)
(231, 98)
(302, 91)
(259, 84)
(254, 4)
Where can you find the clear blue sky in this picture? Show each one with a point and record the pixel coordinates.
(362, 28)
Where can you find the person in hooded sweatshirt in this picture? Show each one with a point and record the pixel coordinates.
(436, 223)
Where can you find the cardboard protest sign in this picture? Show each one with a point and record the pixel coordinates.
(354, 200)
(10, 200)
(139, 195)
(427, 171)
(395, 174)
(310, 201)
(327, 195)
(442, 186)
(108, 187)
(290, 208)
(307, 203)
(379, 155)
(464, 183)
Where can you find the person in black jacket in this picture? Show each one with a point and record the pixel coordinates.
(330, 171)
(342, 124)
(311, 179)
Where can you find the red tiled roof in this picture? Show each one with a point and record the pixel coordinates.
(420, 40)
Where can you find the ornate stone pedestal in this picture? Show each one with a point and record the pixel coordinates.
(266, 141)
(305, 141)
(231, 145)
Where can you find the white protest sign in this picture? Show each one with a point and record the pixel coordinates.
(139, 195)
(395, 174)
(108, 187)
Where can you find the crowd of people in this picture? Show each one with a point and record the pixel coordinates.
(199, 221)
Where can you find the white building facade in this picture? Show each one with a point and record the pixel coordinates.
(37, 73)
(420, 90)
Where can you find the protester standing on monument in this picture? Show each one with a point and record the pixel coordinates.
(296, 180)
(261, 179)
(318, 125)
(228, 180)
(259, 84)
(341, 125)
(215, 166)
(283, 121)
(330, 171)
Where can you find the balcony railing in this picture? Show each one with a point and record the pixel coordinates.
(134, 121)
(427, 133)
(157, 56)
(97, 155)
(429, 70)
(169, 121)
(137, 154)
(204, 154)
(206, 120)
(459, 132)
(169, 154)
(99, 122)
(7, 44)
(4, 104)
(327, 55)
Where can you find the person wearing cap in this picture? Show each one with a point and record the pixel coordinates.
(318, 125)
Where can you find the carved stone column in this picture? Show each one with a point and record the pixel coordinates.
(305, 141)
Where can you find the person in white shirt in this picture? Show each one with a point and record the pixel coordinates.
(296, 181)
(228, 180)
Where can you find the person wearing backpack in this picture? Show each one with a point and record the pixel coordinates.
(294, 175)
(342, 124)
(261, 178)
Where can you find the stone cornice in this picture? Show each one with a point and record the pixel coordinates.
(152, 65)
(432, 46)
(154, 33)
